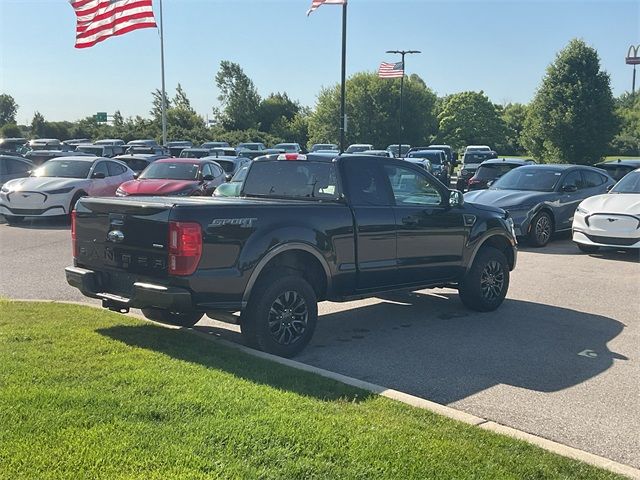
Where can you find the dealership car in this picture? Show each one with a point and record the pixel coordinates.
(45, 144)
(323, 146)
(176, 146)
(10, 146)
(146, 150)
(195, 153)
(619, 168)
(359, 147)
(110, 141)
(14, 167)
(393, 149)
(255, 146)
(38, 157)
(490, 170)
(211, 145)
(542, 199)
(288, 147)
(54, 188)
(470, 162)
(108, 151)
(234, 186)
(438, 160)
(230, 165)
(612, 219)
(378, 153)
(139, 161)
(422, 162)
(225, 152)
(175, 176)
(148, 142)
(71, 144)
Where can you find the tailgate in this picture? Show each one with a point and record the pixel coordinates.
(127, 235)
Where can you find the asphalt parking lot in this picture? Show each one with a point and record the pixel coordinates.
(560, 358)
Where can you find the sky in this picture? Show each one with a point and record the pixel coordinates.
(500, 47)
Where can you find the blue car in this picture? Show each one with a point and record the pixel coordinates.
(542, 199)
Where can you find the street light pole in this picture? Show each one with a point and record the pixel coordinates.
(402, 54)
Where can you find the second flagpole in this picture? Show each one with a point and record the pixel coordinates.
(164, 92)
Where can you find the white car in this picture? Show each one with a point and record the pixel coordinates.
(478, 148)
(55, 187)
(612, 219)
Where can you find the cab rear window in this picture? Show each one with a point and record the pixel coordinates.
(292, 179)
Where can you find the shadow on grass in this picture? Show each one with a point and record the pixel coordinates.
(185, 346)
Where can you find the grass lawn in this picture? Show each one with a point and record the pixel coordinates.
(86, 393)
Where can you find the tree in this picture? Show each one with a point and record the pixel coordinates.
(238, 97)
(8, 109)
(275, 107)
(38, 125)
(156, 109)
(513, 115)
(469, 118)
(627, 142)
(372, 107)
(571, 119)
(10, 130)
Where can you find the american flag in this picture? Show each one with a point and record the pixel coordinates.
(316, 3)
(391, 70)
(98, 20)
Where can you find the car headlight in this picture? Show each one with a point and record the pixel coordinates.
(511, 226)
(121, 193)
(5, 189)
(582, 210)
(59, 191)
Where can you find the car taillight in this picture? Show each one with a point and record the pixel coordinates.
(185, 247)
(74, 242)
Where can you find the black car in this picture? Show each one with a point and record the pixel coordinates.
(439, 162)
(139, 161)
(176, 146)
(229, 164)
(490, 170)
(619, 168)
(38, 157)
(305, 229)
(542, 199)
(470, 163)
(14, 167)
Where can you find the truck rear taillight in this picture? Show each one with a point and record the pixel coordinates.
(74, 242)
(185, 247)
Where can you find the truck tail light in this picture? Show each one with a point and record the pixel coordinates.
(74, 242)
(292, 156)
(185, 247)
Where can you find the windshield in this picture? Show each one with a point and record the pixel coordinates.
(287, 147)
(433, 157)
(226, 165)
(194, 153)
(477, 157)
(97, 151)
(64, 169)
(292, 179)
(630, 183)
(250, 146)
(531, 179)
(171, 171)
(357, 149)
(240, 175)
(493, 170)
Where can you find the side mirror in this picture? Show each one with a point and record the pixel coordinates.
(136, 174)
(207, 178)
(98, 175)
(228, 177)
(609, 187)
(569, 188)
(490, 182)
(456, 198)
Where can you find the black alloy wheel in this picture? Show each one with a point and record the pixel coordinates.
(541, 230)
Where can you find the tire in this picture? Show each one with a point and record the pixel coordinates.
(281, 315)
(181, 319)
(13, 219)
(541, 230)
(485, 285)
(74, 200)
(587, 248)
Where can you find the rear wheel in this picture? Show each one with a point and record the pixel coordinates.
(182, 319)
(13, 219)
(588, 248)
(281, 315)
(540, 230)
(74, 200)
(486, 283)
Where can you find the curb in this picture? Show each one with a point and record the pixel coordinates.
(449, 412)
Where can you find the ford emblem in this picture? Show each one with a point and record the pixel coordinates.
(115, 236)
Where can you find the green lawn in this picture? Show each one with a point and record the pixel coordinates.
(86, 393)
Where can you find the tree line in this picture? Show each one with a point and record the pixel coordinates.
(573, 117)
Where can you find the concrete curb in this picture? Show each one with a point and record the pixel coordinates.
(549, 445)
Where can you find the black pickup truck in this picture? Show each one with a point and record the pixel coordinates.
(305, 229)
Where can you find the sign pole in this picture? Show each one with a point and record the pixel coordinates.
(343, 114)
(164, 92)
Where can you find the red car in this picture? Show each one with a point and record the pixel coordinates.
(175, 176)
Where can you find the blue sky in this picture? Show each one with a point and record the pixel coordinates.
(501, 47)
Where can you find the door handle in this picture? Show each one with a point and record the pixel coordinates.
(410, 221)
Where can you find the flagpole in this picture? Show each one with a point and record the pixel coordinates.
(343, 115)
(400, 132)
(164, 93)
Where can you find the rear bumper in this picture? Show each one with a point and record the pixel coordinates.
(143, 295)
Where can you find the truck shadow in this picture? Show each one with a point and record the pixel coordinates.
(185, 346)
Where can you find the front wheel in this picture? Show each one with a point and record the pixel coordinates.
(281, 315)
(485, 285)
(588, 248)
(541, 230)
(181, 319)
